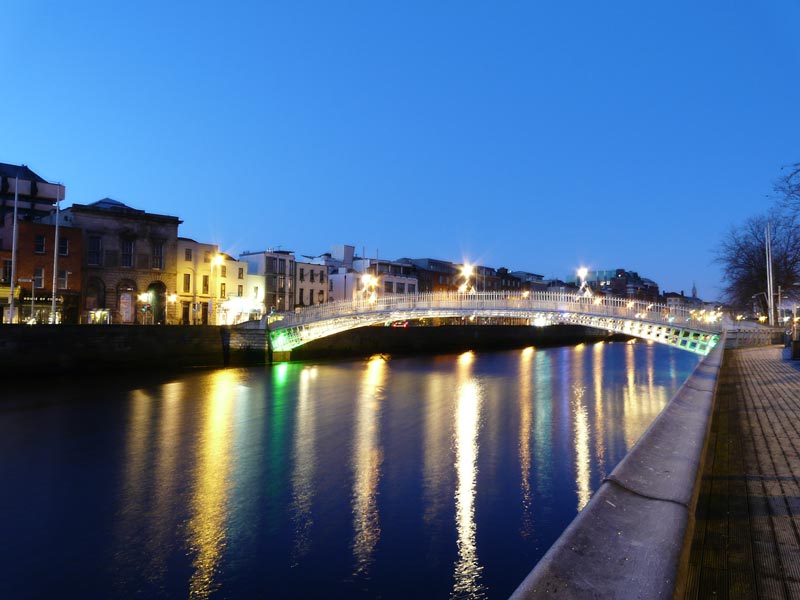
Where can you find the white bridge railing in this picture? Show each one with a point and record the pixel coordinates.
(486, 302)
(694, 330)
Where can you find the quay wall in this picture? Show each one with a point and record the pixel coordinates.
(66, 349)
(632, 539)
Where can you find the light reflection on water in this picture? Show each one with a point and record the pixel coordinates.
(428, 476)
(468, 415)
(207, 529)
(367, 459)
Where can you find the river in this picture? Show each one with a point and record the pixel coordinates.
(393, 477)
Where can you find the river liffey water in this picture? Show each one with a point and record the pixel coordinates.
(414, 477)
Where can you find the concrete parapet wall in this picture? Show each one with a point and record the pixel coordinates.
(632, 538)
(80, 348)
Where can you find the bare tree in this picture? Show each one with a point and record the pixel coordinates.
(788, 188)
(743, 257)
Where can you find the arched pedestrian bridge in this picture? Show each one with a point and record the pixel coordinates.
(691, 330)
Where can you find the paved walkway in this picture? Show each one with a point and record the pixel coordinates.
(747, 533)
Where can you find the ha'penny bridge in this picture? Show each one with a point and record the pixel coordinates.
(650, 526)
(696, 331)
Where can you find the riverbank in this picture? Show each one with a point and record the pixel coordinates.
(67, 349)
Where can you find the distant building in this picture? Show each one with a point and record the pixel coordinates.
(621, 283)
(212, 287)
(385, 277)
(36, 197)
(277, 267)
(434, 275)
(531, 282)
(36, 258)
(312, 283)
(129, 262)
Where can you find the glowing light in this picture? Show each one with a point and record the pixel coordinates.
(540, 322)
(467, 569)
(367, 459)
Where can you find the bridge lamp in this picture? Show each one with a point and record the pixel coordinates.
(466, 272)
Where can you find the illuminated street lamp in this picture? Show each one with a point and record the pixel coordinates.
(144, 298)
(172, 299)
(466, 272)
(584, 289)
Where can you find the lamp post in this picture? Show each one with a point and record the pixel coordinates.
(466, 272)
(582, 273)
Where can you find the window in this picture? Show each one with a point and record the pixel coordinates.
(187, 282)
(187, 254)
(240, 291)
(207, 256)
(223, 271)
(127, 253)
(38, 277)
(158, 255)
(94, 251)
(241, 274)
(400, 287)
(63, 279)
(63, 246)
(222, 289)
(302, 277)
(38, 244)
(6, 271)
(301, 296)
(205, 284)
(388, 287)
(321, 296)
(255, 291)
(311, 273)
(412, 288)
(282, 266)
(321, 276)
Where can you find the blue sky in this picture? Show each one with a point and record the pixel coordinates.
(540, 136)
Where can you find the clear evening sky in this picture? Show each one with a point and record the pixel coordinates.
(539, 136)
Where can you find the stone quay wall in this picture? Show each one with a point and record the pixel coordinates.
(64, 349)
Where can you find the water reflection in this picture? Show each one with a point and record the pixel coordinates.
(367, 458)
(525, 429)
(362, 479)
(600, 418)
(207, 527)
(467, 569)
(543, 425)
(304, 464)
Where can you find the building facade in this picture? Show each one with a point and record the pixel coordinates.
(312, 283)
(129, 262)
(38, 256)
(277, 267)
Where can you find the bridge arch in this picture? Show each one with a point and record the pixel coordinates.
(684, 328)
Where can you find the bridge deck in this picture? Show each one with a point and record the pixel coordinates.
(747, 534)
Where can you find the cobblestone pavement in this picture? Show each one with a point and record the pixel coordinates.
(747, 534)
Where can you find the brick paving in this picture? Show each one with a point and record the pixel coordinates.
(747, 533)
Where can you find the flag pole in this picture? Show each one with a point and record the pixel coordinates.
(55, 258)
(12, 308)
